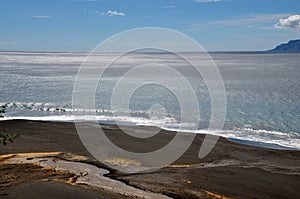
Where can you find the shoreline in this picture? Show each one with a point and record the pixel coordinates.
(231, 170)
(61, 118)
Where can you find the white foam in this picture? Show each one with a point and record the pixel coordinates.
(289, 140)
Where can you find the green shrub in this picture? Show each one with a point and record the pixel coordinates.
(3, 109)
(7, 137)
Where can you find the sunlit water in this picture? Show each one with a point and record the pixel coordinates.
(262, 91)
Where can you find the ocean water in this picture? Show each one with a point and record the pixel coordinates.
(262, 92)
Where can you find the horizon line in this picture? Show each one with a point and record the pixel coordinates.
(213, 51)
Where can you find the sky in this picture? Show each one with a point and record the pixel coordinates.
(80, 25)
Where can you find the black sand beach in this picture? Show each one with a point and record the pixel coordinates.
(231, 170)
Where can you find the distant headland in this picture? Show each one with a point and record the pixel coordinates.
(290, 47)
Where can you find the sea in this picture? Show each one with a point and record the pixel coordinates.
(262, 93)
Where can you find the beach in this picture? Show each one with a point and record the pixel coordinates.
(150, 99)
(36, 162)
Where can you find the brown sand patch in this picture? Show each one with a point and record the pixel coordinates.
(13, 174)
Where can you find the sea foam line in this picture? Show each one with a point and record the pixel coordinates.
(283, 139)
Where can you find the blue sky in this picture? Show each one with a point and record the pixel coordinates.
(79, 25)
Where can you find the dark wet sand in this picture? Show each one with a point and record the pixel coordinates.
(251, 172)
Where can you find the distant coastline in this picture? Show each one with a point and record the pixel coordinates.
(293, 46)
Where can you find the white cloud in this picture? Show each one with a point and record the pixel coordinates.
(253, 19)
(207, 1)
(257, 21)
(8, 43)
(41, 16)
(292, 21)
(115, 13)
(100, 12)
(169, 6)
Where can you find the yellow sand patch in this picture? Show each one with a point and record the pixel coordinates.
(33, 155)
(7, 157)
(123, 162)
(217, 196)
(73, 157)
(182, 165)
(3, 158)
(68, 156)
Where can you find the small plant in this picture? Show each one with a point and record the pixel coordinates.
(2, 110)
(7, 137)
